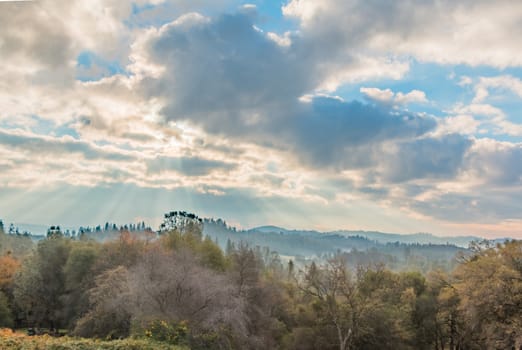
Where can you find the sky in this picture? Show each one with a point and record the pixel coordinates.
(398, 116)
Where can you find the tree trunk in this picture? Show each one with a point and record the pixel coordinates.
(453, 332)
(343, 340)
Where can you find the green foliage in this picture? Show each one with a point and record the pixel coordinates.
(6, 319)
(191, 239)
(170, 332)
(79, 277)
(489, 289)
(211, 255)
(208, 340)
(17, 341)
(104, 324)
(80, 261)
(40, 285)
(176, 240)
(108, 316)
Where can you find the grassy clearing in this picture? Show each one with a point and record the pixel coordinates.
(10, 340)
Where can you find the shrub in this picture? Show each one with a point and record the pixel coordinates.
(10, 340)
(169, 332)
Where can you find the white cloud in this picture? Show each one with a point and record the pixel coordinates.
(445, 32)
(461, 124)
(359, 68)
(465, 80)
(378, 95)
(284, 40)
(414, 96)
(504, 82)
(389, 97)
(489, 91)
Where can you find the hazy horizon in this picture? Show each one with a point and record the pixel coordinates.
(41, 228)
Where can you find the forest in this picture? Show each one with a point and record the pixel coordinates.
(179, 288)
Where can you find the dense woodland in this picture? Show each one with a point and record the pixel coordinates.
(180, 287)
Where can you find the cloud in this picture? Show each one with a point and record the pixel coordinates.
(22, 26)
(389, 97)
(464, 81)
(33, 44)
(378, 95)
(333, 133)
(281, 40)
(490, 93)
(427, 158)
(418, 28)
(462, 124)
(350, 68)
(224, 73)
(230, 79)
(189, 166)
(414, 96)
(496, 163)
(49, 146)
(224, 69)
(478, 207)
(454, 179)
(503, 82)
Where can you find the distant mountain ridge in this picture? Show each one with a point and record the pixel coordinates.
(381, 237)
(269, 228)
(421, 238)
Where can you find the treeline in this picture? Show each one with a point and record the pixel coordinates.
(12, 230)
(183, 289)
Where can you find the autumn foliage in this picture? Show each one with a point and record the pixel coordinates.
(8, 268)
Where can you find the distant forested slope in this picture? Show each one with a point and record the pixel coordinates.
(359, 250)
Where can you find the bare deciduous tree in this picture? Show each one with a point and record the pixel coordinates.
(174, 287)
(332, 287)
